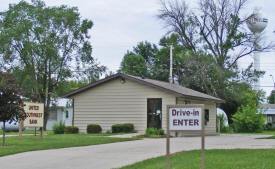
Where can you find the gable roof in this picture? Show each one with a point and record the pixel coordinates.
(170, 88)
(267, 106)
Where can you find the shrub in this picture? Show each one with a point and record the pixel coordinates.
(126, 127)
(227, 129)
(247, 121)
(94, 128)
(71, 130)
(268, 126)
(247, 118)
(154, 132)
(116, 128)
(59, 128)
(222, 118)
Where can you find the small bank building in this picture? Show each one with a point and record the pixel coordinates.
(123, 98)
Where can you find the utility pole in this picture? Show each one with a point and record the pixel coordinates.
(273, 91)
(171, 65)
(273, 81)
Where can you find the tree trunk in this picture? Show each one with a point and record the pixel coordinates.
(47, 110)
(4, 134)
(48, 95)
(46, 115)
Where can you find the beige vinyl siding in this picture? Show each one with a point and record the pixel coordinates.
(113, 102)
(210, 128)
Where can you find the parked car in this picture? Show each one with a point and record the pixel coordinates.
(13, 126)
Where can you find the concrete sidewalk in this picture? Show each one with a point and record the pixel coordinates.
(130, 135)
(115, 155)
(16, 135)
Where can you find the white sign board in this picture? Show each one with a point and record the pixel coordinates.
(35, 114)
(188, 117)
(185, 118)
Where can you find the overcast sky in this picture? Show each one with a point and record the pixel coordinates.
(121, 24)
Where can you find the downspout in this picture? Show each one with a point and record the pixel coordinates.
(73, 113)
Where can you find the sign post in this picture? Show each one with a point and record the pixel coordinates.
(187, 117)
(35, 116)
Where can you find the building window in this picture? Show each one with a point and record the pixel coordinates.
(67, 114)
(206, 116)
(187, 102)
(269, 118)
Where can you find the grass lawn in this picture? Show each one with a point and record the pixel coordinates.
(271, 137)
(49, 132)
(271, 132)
(30, 143)
(264, 132)
(214, 159)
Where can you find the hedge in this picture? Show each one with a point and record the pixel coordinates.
(71, 130)
(94, 128)
(154, 132)
(126, 127)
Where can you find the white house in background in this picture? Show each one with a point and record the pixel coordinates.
(220, 112)
(269, 113)
(61, 111)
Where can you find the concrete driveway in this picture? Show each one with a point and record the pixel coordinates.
(115, 155)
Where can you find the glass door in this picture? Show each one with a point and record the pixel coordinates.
(154, 112)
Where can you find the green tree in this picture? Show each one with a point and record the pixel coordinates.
(147, 50)
(11, 104)
(248, 118)
(271, 97)
(134, 64)
(45, 46)
(160, 69)
(68, 86)
(144, 62)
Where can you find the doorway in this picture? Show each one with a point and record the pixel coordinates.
(154, 112)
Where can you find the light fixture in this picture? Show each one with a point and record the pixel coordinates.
(122, 80)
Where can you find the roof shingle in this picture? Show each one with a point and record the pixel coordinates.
(171, 88)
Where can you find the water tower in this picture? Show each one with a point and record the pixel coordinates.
(256, 23)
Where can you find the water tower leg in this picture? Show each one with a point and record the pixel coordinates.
(257, 60)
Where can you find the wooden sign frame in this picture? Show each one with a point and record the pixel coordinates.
(21, 123)
(168, 130)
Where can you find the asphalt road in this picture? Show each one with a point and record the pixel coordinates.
(115, 155)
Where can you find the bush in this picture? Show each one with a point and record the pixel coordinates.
(116, 128)
(268, 126)
(227, 129)
(222, 119)
(247, 121)
(247, 118)
(94, 128)
(154, 132)
(59, 128)
(71, 130)
(126, 127)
